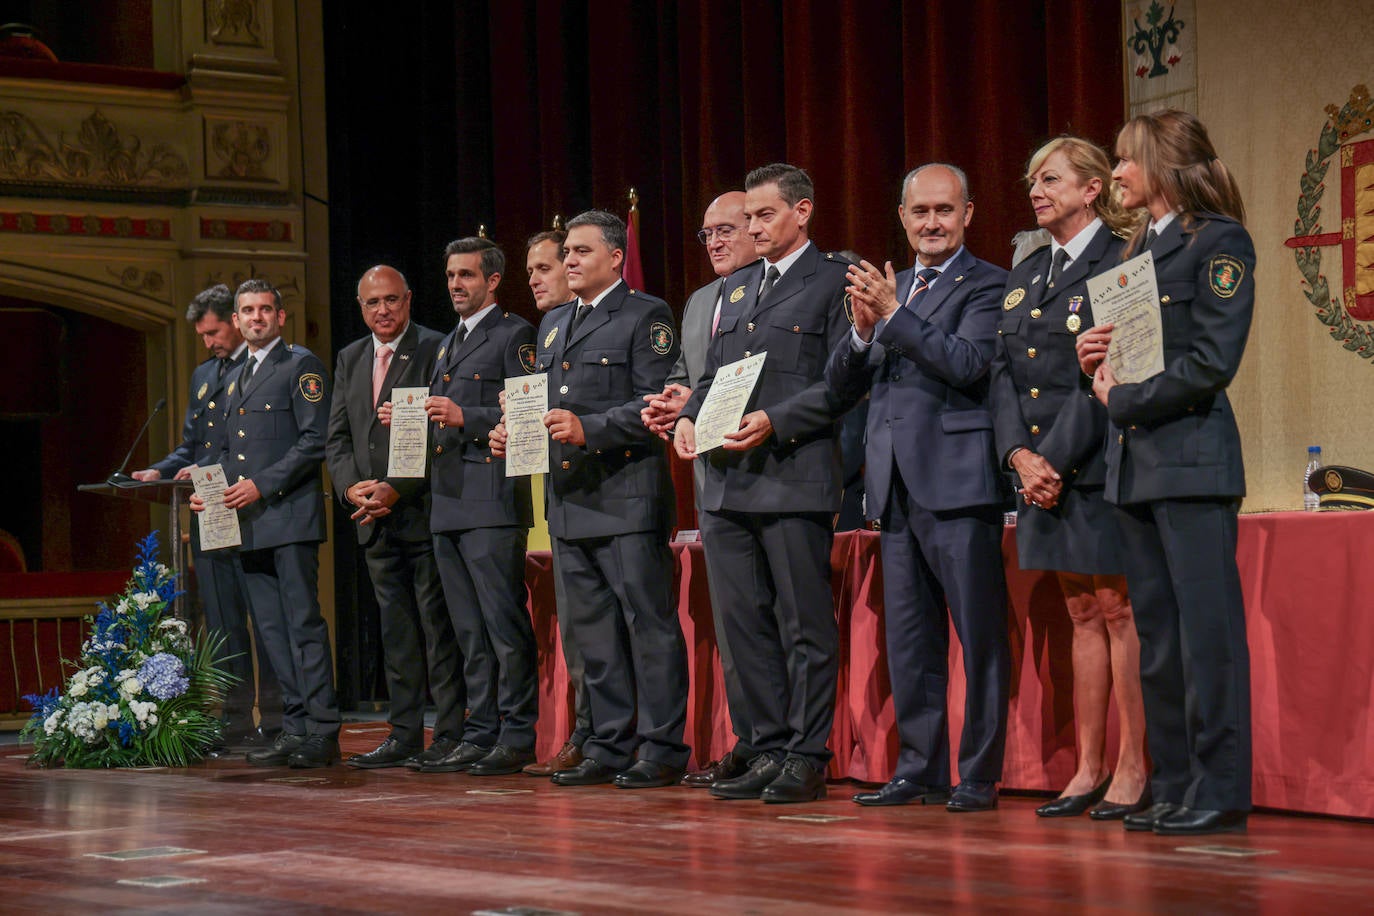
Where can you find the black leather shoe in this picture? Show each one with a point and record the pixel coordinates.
(1146, 820)
(587, 773)
(456, 761)
(1111, 811)
(799, 781)
(502, 761)
(762, 771)
(390, 753)
(257, 738)
(1195, 822)
(727, 767)
(438, 749)
(903, 792)
(649, 774)
(973, 796)
(277, 753)
(315, 751)
(1074, 805)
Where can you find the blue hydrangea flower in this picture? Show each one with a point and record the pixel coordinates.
(163, 676)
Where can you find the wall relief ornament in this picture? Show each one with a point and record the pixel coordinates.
(233, 22)
(286, 283)
(1349, 318)
(97, 155)
(138, 279)
(241, 149)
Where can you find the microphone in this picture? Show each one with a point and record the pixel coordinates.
(119, 478)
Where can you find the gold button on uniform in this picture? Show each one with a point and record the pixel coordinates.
(563, 390)
(488, 459)
(211, 424)
(242, 411)
(242, 434)
(241, 458)
(1035, 313)
(446, 377)
(1035, 429)
(1120, 438)
(211, 405)
(749, 326)
(796, 329)
(438, 449)
(1035, 392)
(747, 353)
(566, 365)
(1030, 352)
(628, 453)
(567, 465)
(605, 361)
(476, 376)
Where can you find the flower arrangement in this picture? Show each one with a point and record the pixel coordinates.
(144, 689)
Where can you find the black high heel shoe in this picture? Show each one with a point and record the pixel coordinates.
(1074, 805)
(1111, 811)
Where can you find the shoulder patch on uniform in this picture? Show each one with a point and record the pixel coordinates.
(1224, 275)
(312, 387)
(849, 307)
(1014, 298)
(204, 387)
(661, 338)
(737, 293)
(527, 358)
(548, 338)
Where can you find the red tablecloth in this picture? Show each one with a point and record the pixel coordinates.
(1311, 630)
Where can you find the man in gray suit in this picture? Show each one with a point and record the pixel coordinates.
(729, 247)
(772, 490)
(392, 521)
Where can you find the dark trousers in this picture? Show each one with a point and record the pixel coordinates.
(932, 561)
(1194, 660)
(224, 596)
(624, 620)
(572, 658)
(483, 571)
(283, 594)
(771, 587)
(415, 625)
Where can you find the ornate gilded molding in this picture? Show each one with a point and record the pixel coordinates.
(98, 155)
(240, 150)
(234, 22)
(89, 225)
(139, 280)
(245, 230)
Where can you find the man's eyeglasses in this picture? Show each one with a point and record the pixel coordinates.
(389, 301)
(724, 233)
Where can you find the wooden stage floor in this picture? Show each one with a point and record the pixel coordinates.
(246, 840)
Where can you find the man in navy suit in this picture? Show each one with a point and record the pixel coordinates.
(219, 580)
(771, 491)
(480, 518)
(391, 516)
(610, 508)
(276, 423)
(923, 341)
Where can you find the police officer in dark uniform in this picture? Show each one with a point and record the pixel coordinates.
(219, 579)
(1175, 472)
(610, 508)
(276, 424)
(772, 490)
(480, 518)
(1051, 432)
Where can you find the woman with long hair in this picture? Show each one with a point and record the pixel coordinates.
(1175, 474)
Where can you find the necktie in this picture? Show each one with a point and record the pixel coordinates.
(380, 363)
(918, 289)
(223, 367)
(250, 364)
(583, 309)
(1150, 238)
(1057, 265)
(462, 334)
(770, 280)
(720, 301)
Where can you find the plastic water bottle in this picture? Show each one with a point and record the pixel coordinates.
(1310, 501)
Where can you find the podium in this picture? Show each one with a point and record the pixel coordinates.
(171, 493)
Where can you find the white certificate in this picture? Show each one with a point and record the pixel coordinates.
(724, 405)
(219, 525)
(409, 433)
(1128, 297)
(527, 439)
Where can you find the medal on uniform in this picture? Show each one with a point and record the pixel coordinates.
(1074, 321)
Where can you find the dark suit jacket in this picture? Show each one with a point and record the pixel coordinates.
(1045, 403)
(275, 437)
(618, 482)
(928, 370)
(1175, 435)
(358, 445)
(202, 432)
(800, 321)
(691, 362)
(469, 488)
